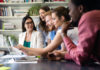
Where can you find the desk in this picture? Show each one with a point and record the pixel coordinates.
(44, 64)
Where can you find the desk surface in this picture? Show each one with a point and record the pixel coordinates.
(52, 65)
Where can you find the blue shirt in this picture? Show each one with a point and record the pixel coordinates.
(52, 34)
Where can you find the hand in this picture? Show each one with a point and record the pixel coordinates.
(20, 47)
(56, 55)
(65, 27)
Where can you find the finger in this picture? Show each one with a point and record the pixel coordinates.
(57, 54)
(58, 58)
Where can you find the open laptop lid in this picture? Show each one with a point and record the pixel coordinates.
(24, 58)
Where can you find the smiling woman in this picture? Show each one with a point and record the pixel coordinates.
(30, 37)
(63, 18)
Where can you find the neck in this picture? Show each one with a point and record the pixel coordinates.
(29, 33)
(64, 22)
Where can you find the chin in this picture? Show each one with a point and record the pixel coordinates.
(30, 30)
(43, 19)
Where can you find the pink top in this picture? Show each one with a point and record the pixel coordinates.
(89, 39)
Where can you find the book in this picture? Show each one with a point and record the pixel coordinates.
(8, 26)
(1, 0)
(1, 24)
(20, 12)
(1, 11)
(9, 11)
(59, 0)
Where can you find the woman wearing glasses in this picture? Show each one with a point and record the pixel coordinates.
(30, 37)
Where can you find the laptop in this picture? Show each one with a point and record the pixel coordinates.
(19, 57)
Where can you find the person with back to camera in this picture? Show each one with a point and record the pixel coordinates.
(87, 12)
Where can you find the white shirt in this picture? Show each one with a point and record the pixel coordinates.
(36, 39)
(72, 34)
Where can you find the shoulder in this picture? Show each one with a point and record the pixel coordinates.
(92, 13)
(88, 19)
(90, 16)
(59, 31)
(73, 31)
(36, 32)
(23, 33)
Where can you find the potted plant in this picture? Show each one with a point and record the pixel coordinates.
(34, 10)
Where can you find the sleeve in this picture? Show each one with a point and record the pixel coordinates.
(81, 53)
(40, 42)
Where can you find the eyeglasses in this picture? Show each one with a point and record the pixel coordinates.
(29, 23)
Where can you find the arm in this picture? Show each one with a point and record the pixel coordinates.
(56, 55)
(82, 52)
(63, 47)
(40, 43)
(19, 38)
(49, 40)
(41, 51)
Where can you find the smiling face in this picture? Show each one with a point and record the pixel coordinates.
(49, 23)
(48, 20)
(75, 11)
(56, 21)
(28, 25)
(42, 12)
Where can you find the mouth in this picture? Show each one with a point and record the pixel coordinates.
(42, 17)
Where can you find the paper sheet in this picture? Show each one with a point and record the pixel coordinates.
(20, 61)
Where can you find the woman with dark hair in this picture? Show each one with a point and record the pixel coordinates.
(23, 23)
(30, 37)
(42, 25)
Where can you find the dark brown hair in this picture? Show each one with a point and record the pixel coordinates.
(23, 23)
(42, 24)
(62, 11)
(87, 4)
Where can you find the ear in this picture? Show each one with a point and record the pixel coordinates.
(81, 8)
(62, 18)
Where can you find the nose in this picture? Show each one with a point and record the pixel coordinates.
(47, 24)
(52, 21)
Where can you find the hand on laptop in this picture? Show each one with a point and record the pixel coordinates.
(22, 48)
(19, 52)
